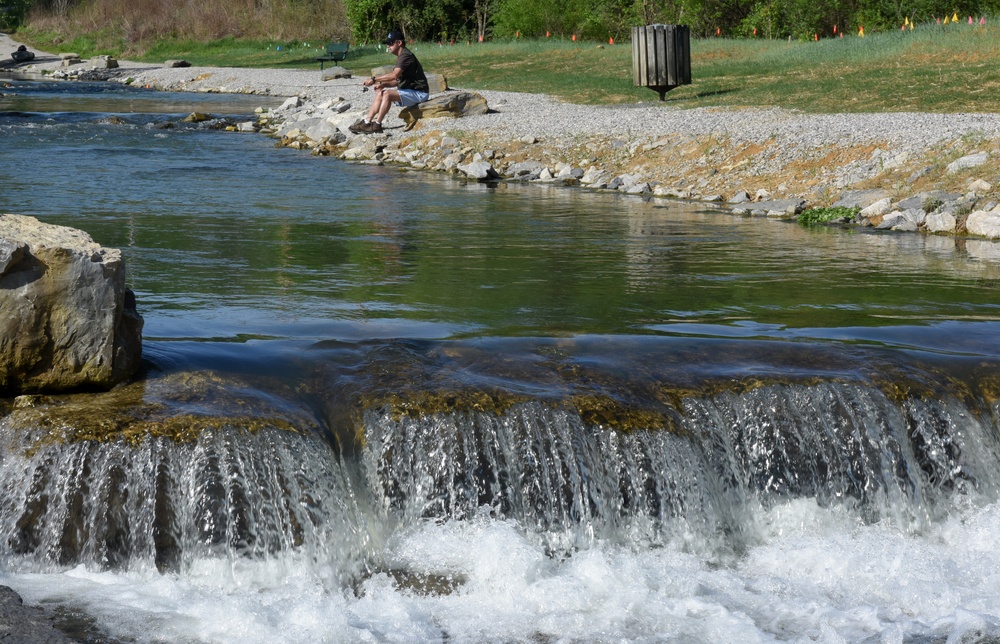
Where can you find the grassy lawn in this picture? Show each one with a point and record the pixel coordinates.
(947, 69)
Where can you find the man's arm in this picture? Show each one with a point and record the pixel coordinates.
(386, 80)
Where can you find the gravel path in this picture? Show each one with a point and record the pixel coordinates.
(841, 150)
(516, 115)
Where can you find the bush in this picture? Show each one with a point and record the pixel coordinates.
(12, 13)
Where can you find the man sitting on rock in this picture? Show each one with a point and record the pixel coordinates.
(405, 85)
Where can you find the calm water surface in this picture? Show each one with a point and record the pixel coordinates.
(248, 259)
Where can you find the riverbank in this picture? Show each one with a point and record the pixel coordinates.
(911, 171)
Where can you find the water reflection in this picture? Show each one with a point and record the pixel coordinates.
(226, 236)
(67, 98)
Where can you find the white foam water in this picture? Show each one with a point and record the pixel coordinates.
(816, 574)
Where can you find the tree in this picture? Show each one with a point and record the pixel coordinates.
(13, 12)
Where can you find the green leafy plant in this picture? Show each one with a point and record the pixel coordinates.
(815, 216)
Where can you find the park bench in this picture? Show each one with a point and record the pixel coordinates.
(335, 51)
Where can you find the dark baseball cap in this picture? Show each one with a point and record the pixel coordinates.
(393, 36)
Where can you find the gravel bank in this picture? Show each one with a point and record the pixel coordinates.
(696, 153)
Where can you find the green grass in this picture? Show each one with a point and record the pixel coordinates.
(950, 69)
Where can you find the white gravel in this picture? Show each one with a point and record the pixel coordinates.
(514, 116)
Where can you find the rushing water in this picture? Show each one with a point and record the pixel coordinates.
(387, 406)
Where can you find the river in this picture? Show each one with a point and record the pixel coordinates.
(381, 405)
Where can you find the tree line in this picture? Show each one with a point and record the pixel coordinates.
(367, 21)
(599, 20)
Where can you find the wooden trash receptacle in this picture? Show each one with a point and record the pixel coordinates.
(661, 57)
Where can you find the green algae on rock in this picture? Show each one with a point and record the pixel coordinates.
(179, 407)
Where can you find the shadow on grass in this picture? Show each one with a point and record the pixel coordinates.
(718, 92)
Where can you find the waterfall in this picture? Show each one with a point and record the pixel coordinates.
(231, 493)
(570, 483)
(234, 493)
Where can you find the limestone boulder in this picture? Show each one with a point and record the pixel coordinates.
(941, 222)
(877, 209)
(968, 161)
(450, 104)
(68, 321)
(480, 170)
(103, 62)
(861, 198)
(778, 208)
(26, 624)
(436, 83)
(986, 224)
(331, 73)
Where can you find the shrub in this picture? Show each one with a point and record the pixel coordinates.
(815, 216)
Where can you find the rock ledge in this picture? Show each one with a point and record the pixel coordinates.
(68, 321)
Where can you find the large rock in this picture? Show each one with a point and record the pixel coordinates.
(860, 198)
(25, 624)
(103, 62)
(968, 161)
(481, 170)
(986, 224)
(453, 104)
(68, 321)
(331, 73)
(941, 222)
(436, 83)
(778, 208)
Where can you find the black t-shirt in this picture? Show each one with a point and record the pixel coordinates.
(413, 74)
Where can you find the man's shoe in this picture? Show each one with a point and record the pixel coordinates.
(374, 128)
(359, 126)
